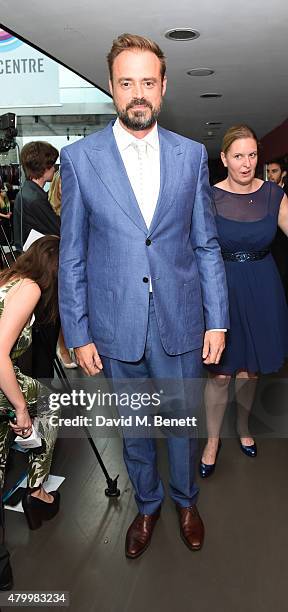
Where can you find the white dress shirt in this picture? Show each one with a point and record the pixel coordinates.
(141, 158)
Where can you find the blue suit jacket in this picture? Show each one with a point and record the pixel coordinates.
(104, 256)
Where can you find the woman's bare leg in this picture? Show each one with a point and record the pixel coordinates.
(245, 389)
(64, 352)
(41, 494)
(216, 399)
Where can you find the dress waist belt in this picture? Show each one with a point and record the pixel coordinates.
(244, 256)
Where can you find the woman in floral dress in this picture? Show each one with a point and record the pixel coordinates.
(30, 284)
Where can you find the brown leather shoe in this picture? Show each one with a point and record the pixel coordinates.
(139, 534)
(191, 527)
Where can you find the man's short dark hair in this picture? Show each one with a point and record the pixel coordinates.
(36, 157)
(279, 161)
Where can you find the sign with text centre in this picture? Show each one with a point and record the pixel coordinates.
(27, 76)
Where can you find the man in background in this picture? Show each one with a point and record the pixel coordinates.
(32, 211)
(277, 173)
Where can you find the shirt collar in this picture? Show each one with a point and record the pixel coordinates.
(124, 139)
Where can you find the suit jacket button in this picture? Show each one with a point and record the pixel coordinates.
(145, 279)
(148, 242)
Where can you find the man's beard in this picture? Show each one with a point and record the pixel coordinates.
(138, 121)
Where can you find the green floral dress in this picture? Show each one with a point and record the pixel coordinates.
(36, 396)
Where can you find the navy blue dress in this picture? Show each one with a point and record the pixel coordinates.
(258, 337)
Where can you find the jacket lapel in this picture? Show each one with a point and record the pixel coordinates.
(171, 169)
(107, 162)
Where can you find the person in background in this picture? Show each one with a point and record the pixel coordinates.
(247, 212)
(54, 193)
(31, 208)
(32, 211)
(30, 284)
(5, 223)
(5, 212)
(54, 196)
(277, 173)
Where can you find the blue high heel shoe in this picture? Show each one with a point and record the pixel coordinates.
(250, 451)
(205, 469)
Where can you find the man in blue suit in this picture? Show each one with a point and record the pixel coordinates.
(141, 273)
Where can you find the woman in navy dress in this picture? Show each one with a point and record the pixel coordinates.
(248, 211)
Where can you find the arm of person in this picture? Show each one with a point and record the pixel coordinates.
(88, 358)
(213, 345)
(73, 301)
(210, 267)
(19, 303)
(283, 215)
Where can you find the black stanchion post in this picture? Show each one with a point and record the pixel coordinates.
(112, 489)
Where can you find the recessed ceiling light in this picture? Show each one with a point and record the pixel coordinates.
(180, 34)
(211, 95)
(213, 123)
(200, 72)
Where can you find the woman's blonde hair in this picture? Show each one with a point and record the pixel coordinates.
(54, 194)
(234, 133)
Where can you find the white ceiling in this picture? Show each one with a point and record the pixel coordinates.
(244, 42)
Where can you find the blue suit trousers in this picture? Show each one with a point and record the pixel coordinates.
(140, 454)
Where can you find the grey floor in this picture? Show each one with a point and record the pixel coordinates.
(243, 565)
